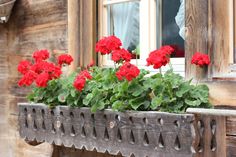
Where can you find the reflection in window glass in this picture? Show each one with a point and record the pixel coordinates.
(123, 22)
(173, 23)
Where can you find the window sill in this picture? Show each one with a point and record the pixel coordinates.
(228, 77)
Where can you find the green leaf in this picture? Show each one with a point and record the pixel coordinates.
(88, 99)
(100, 105)
(73, 93)
(183, 88)
(138, 102)
(117, 105)
(156, 102)
(193, 103)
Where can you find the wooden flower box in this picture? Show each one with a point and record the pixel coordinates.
(130, 133)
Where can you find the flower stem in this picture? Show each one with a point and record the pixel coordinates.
(170, 65)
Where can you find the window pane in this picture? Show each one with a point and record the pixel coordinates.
(173, 23)
(123, 22)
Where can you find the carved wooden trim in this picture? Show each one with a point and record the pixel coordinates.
(139, 133)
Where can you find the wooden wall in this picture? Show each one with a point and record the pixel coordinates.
(208, 30)
(34, 24)
(208, 24)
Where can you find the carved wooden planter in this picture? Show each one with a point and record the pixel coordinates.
(5, 9)
(142, 134)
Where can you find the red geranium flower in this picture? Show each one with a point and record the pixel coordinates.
(64, 59)
(128, 71)
(40, 55)
(24, 66)
(42, 79)
(86, 74)
(161, 57)
(121, 55)
(200, 59)
(107, 44)
(158, 59)
(167, 49)
(28, 78)
(79, 82)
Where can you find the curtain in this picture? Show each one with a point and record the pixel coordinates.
(125, 18)
(180, 19)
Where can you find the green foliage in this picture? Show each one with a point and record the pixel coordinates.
(168, 92)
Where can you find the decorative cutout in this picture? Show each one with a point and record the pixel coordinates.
(145, 121)
(71, 115)
(131, 120)
(177, 124)
(53, 130)
(35, 126)
(82, 115)
(43, 113)
(160, 121)
(131, 137)
(145, 139)
(106, 135)
(26, 123)
(161, 143)
(43, 125)
(33, 110)
(83, 133)
(213, 143)
(52, 113)
(94, 132)
(177, 143)
(213, 126)
(72, 132)
(119, 136)
(62, 129)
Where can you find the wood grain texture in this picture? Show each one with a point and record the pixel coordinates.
(139, 133)
(196, 36)
(87, 32)
(34, 24)
(220, 36)
(73, 32)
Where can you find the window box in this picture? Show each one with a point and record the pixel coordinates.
(139, 133)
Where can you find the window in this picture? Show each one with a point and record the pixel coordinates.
(143, 26)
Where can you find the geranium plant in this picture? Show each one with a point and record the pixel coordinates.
(125, 87)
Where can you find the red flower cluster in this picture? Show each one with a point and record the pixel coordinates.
(80, 80)
(40, 72)
(40, 55)
(200, 59)
(24, 66)
(127, 70)
(64, 59)
(167, 49)
(161, 57)
(121, 55)
(107, 44)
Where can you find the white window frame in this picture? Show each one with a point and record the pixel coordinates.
(148, 29)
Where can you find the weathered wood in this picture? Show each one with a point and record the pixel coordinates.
(87, 32)
(138, 133)
(73, 32)
(196, 36)
(34, 24)
(212, 136)
(231, 146)
(219, 26)
(215, 112)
